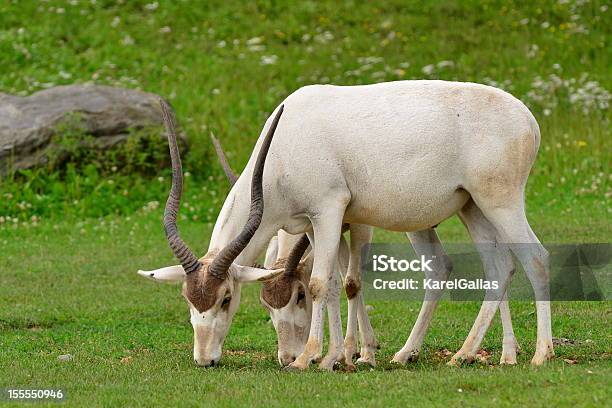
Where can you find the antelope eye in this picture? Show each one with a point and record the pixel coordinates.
(301, 295)
(226, 301)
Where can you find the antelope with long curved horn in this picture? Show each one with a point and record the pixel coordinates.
(402, 156)
(212, 284)
(289, 304)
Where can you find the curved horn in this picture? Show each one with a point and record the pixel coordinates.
(220, 265)
(179, 248)
(298, 251)
(295, 256)
(227, 169)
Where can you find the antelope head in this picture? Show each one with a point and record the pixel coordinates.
(286, 296)
(211, 284)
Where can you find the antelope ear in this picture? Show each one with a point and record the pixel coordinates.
(271, 252)
(309, 262)
(174, 273)
(247, 274)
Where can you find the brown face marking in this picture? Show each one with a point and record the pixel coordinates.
(202, 289)
(352, 287)
(277, 291)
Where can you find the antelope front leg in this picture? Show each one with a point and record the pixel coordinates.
(336, 346)
(367, 338)
(357, 314)
(327, 232)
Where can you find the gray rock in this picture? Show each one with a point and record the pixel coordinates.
(28, 124)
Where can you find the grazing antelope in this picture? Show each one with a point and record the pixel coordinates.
(291, 313)
(288, 301)
(403, 156)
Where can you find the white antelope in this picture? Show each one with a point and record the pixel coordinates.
(403, 156)
(290, 305)
(287, 300)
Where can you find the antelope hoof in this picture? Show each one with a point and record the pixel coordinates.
(508, 356)
(331, 359)
(367, 358)
(328, 363)
(460, 359)
(296, 366)
(510, 350)
(403, 357)
(367, 355)
(349, 350)
(543, 354)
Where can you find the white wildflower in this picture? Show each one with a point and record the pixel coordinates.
(150, 206)
(254, 41)
(386, 24)
(324, 37)
(257, 48)
(446, 64)
(428, 69)
(127, 40)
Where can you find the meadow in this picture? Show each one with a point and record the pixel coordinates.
(73, 235)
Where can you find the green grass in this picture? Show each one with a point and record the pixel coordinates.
(67, 276)
(72, 289)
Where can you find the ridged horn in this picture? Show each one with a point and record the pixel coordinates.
(179, 248)
(227, 169)
(295, 256)
(298, 251)
(220, 265)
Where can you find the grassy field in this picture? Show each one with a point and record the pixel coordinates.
(72, 239)
(131, 339)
